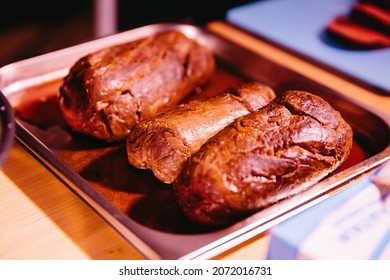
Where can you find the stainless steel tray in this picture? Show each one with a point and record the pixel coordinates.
(34, 82)
(7, 129)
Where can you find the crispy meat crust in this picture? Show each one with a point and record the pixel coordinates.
(262, 158)
(107, 92)
(163, 143)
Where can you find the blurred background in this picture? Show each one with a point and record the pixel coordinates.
(31, 28)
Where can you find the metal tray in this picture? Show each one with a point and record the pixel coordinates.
(140, 208)
(7, 128)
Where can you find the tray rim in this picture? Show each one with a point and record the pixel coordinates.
(118, 221)
(7, 129)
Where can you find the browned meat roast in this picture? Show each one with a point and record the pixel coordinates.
(163, 143)
(107, 92)
(262, 158)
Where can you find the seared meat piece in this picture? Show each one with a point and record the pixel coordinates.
(107, 92)
(163, 143)
(262, 158)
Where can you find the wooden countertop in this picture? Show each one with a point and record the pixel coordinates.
(42, 219)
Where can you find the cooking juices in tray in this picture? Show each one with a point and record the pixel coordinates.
(137, 193)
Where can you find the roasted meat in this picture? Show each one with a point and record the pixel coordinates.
(164, 142)
(107, 92)
(262, 158)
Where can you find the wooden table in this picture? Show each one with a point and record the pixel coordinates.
(40, 218)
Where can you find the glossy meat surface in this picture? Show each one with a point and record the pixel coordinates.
(163, 143)
(107, 92)
(262, 158)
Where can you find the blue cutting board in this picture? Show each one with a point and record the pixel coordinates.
(299, 25)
